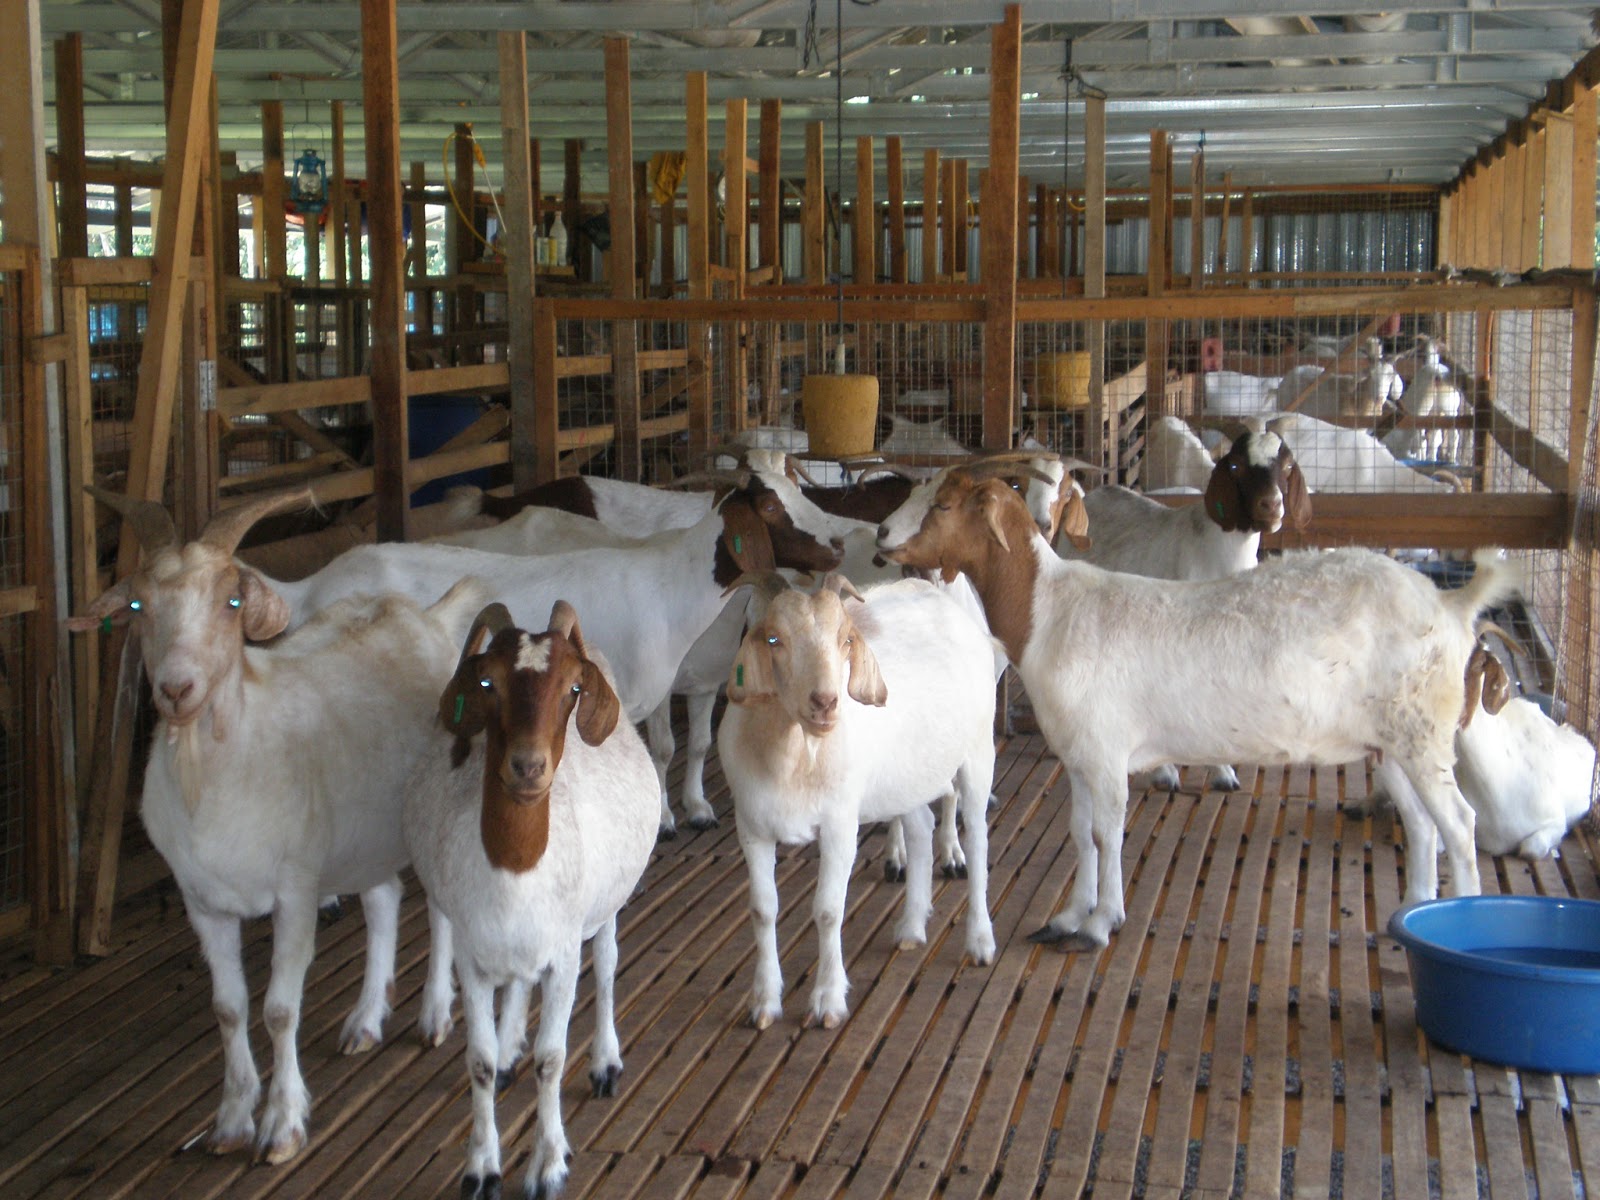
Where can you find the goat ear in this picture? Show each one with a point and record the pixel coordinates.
(1496, 686)
(461, 707)
(265, 613)
(866, 680)
(745, 536)
(989, 503)
(111, 605)
(598, 707)
(1074, 521)
(752, 668)
(1222, 499)
(1474, 686)
(1296, 496)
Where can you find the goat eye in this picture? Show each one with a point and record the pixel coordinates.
(577, 688)
(233, 602)
(136, 605)
(772, 639)
(485, 684)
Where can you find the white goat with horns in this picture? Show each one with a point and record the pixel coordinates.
(275, 777)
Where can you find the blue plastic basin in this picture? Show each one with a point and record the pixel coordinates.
(1509, 979)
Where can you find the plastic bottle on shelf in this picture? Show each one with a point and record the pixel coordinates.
(558, 241)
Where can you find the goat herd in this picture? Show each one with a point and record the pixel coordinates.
(470, 709)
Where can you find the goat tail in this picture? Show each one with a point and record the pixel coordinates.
(1494, 579)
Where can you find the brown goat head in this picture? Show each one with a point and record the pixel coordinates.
(1257, 486)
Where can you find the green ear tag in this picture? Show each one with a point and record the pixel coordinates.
(738, 675)
(1219, 508)
(105, 624)
(461, 704)
(738, 543)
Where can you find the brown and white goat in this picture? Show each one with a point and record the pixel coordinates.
(1314, 657)
(274, 778)
(528, 842)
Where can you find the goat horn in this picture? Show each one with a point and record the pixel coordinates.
(1449, 477)
(793, 464)
(840, 586)
(888, 468)
(732, 449)
(151, 522)
(736, 479)
(1513, 643)
(767, 583)
(989, 468)
(563, 618)
(227, 528)
(494, 618)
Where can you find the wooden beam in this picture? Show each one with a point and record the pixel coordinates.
(897, 210)
(1559, 160)
(998, 229)
(1103, 433)
(624, 336)
(864, 240)
(962, 222)
(950, 223)
(1584, 137)
(769, 186)
(1514, 194)
(336, 194)
(813, 217)
(73, 199)
(1532, 198)
(417, 252)
(1157, 248)
(275, 231)
(546, 408)
(736, 234)
(698, 250)
(572, 201)
(930, 216)
(1197, 221)
(380, 92)
(517, 207)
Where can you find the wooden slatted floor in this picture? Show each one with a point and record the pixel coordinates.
(1245, 1034)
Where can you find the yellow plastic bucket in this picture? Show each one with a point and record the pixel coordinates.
(1061, 380)
(841, 413)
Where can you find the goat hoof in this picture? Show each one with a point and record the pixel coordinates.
(828, 1020)
(954, 870)
(282, 1149)
(1047, 935)
(1067, 943)
(359, 1041)
(762, 1019)
(544, 1189)
(893, 873)
(219, 1143)
(701, 824)
(665, 834)
(487, 1188)
(605, 1082)
(504, 1077)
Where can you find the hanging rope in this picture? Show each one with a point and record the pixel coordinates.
(455, 203)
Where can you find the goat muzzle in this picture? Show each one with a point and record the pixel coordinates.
(526, 775)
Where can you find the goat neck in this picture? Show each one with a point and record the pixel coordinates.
(979, 527)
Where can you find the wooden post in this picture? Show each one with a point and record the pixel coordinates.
(999, 229)
(274, 243)
(643, 243)
(698, 267)
(1247, 237)
(1022, 226)
(624, 335)
(337, 198)
(769, 193)
(417, 254)
(1104, 423)
(1197, 221)
(546, 401)
(1041, 232)
(1511, 210)
(1532, 197)
(864, 242)
(1584, 136)
(961, 221)
(1559, 159)
(930, 216)
(814, 214)
(461, 247)
(736, 237)
(572, 202)
(517, 207)
(1222, 227)
(380, 94)
(536, 187)
(1155, 329)
(1494, 216)
(72, 206)
(951, 222)
(897, 211)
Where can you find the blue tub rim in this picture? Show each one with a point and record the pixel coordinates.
(1413, 942)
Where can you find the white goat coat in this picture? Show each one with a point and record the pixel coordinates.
(1336, 459)
(305, 792)
(1527, 778)
(1173, 457)
(1133, 533)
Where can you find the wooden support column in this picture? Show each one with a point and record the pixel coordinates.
(813, 217)
(930, 216)
(1222, 226)
(1197, 221)
(1584, 137)
(963, 214)
(1247, 237)
(337, 199)
(1022, 226)
(1494, 214)
(380, 94)
(517, 206)
(624, 335)
(669, 248)
(1155, 329)
(1532, 197)
(1041, 232)
(698, 267)
(1511, 210)
(572, 202)
(897, 211)
(546, 404)
(864, 250)
(416, 259)
(461, 246)
(999, 230)
(274, 242)
(536, 187)
(769, 187)
(72, 204)
(736, 238)
(1559, 158)
(1102, 439)
(949, 223)
(643, 243)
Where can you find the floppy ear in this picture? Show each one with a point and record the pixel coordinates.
(1496, 685)
(1222, 499)
(866, 681)
(461, 707)
(752, 668)
(264, 613)
(1476, 664)
(1074, 521)
(111, 605)
(1296, 496)
(989, 504)
(746, 537)
(598, 707)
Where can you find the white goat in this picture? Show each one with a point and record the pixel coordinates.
(1335, 459)
(274, 778)
(843, 712)
(1252, 490)
(1527, 778)
(1316, 657)
(1430, 393)
(528, 843)
(1174, 457)
(920, 437)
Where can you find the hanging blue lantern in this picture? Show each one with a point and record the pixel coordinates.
(308, 185)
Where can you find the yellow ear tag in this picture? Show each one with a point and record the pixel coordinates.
(738, 675)
(461, 704)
